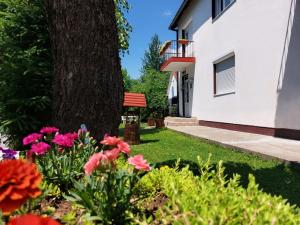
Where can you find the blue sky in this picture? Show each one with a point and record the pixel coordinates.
(147, 17)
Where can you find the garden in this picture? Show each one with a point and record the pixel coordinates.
(74, 179)
(57, 67)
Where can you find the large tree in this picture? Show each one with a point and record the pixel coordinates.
(88, 84)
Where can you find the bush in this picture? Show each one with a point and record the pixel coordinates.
(212, 199)
(25, 69)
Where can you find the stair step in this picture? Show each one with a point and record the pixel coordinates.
(177, 121)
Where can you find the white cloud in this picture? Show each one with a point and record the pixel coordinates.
(167, 13)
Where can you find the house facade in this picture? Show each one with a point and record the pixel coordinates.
(236, 64)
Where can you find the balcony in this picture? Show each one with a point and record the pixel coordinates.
(178, 55)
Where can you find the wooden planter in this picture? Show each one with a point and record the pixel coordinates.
(132, 134)
(183, 41)
(160, 123)
(151, 122)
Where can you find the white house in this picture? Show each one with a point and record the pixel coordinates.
(238, 65)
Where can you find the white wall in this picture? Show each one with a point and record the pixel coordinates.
(255, 31)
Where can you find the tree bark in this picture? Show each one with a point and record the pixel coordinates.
(88, 85)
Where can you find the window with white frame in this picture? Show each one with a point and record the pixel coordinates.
(219, 6)
(224, 76)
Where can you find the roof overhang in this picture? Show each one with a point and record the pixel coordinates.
(179, 13)
(175, 64)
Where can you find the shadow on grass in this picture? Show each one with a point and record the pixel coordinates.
(281, 180)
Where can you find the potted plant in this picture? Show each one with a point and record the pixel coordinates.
(159, 119)
(164, 47)
(151, 120)
(183, 41)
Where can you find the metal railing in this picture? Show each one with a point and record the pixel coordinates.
(177, 48)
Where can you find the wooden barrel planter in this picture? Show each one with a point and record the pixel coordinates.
(160, 123)
(132, 133)
(151, 122)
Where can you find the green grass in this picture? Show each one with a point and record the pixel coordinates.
(165, 146)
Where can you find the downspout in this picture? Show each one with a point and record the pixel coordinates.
(177, 73)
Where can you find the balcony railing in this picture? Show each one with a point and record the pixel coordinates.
(177, 48)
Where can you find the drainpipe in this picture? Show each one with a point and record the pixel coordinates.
(177, 73)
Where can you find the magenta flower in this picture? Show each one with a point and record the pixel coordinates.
(49, 130)
(31, 138)
(39, 148)
(65, 140)
(139, 163)
(95, 162)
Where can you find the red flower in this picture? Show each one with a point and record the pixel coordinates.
(31, 219)
(139, 163)
(31, 138)
(49, 130)
(19, 180)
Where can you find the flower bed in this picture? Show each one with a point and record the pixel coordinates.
(74, 179)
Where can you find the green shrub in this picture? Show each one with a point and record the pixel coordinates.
(25, 69)
(212, 199)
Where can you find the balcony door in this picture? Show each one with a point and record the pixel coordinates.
(186, 34)
(186, 101)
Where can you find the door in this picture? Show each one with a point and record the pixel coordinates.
(186, 95)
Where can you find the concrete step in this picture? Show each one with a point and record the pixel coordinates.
(177, 121)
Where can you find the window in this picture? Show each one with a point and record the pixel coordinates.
(219, 6)
(224, 76)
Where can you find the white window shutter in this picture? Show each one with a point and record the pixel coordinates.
(225, 76)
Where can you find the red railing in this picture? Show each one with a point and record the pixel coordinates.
(177, 48)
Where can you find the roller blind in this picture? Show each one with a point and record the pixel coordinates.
(225, 76)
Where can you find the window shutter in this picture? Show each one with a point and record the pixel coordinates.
(225, 76)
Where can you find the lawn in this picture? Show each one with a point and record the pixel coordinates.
(163, 145)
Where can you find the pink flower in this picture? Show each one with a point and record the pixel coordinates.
(94, 162)
(49, 130)
(139, 163)
(39, 148)
(124, 147)
(112, 141)
(31, 138)
(113, 154)
(65, 140)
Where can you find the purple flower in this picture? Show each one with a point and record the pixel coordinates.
(8, 154)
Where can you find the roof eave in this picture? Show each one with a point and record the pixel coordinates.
(178, 15)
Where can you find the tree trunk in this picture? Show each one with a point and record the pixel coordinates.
(88, 85)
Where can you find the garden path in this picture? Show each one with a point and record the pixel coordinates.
(265, 146)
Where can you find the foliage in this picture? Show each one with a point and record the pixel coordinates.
(128, 82)
(124, 28)
(152, 58)
(154, 85)
(152, 82)
(25, 68)
(213, 199)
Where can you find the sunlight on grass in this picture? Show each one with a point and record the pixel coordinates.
(273, 177)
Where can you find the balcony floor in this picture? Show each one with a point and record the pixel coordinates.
(175, 64)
